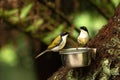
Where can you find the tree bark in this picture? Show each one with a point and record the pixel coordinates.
(106, 65)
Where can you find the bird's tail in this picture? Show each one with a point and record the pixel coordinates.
(40, 54)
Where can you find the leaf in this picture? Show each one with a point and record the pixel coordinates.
(25, 11)
(35, 25)
(8, 13)
(38, 23)
(14, 19)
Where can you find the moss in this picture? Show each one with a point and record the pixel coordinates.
(113, 45)
(113, 42)
(106, 66)
(107, 71)
(104, 77)
(118, 58)
(110, 51)
(115, 71)
(72, 75)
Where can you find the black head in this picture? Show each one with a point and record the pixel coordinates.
(64, 33)
(84, 28)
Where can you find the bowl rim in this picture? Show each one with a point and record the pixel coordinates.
(76, 50)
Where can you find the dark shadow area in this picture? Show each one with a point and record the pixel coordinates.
(47, 64)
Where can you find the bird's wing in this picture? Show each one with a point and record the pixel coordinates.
(55, 42)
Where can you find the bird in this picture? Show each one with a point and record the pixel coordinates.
(57, 44)
(83, 36)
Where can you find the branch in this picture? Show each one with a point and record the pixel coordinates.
(57, 12)
(99, 10)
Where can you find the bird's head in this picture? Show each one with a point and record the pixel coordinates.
(64, 34)
(83, 28)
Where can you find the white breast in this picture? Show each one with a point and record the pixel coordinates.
(83, 37)
(83, 34)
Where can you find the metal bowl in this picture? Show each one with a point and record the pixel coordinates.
(77, 57)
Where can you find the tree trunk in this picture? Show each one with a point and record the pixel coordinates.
(107, 62)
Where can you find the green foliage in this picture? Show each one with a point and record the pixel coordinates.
(15, 61)
(8, 55)
(25, 11)
(13, 15)
(115, 2)
(35, 25)
(7, 13)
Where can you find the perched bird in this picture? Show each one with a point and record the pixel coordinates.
(57, 44)
(83, 37)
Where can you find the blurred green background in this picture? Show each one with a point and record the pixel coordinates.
(28, 26)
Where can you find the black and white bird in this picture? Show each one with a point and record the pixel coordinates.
(57, 44)
(83, 37)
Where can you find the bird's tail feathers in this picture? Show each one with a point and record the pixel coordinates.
(40, 54)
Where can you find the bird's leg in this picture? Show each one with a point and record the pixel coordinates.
(77, 46)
